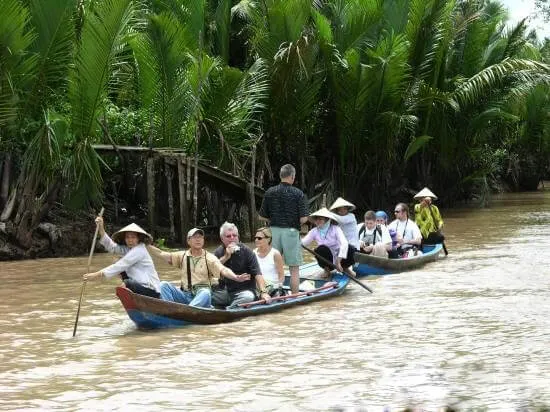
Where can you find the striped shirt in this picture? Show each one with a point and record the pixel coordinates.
(284, 205)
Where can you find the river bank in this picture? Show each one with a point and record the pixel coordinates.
(69, 234)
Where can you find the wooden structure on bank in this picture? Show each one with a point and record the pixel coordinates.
(178, 169)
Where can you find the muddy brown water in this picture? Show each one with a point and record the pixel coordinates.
(470, 331)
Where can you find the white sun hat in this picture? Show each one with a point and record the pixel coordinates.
(118, 237)
(341, 202)
(324, 212)
(193, 231)
(425, 193)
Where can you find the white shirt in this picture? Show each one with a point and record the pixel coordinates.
(267, 266)
(348, 224)
(135, 261)
(407, 229)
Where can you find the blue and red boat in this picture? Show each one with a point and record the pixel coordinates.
(151, 313)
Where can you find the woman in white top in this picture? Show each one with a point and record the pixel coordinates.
(346, 220)
(129, 242)
(270, 260)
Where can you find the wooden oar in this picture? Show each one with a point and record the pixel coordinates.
(84, 282)
(332, 267)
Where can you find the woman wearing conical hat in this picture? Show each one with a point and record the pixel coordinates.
(428, 218)
(129, 242)
(346, 220)
(332, 244)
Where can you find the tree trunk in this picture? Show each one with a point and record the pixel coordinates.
(151, 193)
(169, 175)
(6, 177)
(184, 208)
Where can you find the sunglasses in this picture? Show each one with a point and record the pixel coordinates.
(260, 237)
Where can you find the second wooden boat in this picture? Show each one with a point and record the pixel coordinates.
(375, 265)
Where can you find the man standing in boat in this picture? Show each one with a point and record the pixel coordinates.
(200, 272)
(285, 207)
(241, 260)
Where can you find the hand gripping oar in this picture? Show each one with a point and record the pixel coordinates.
(332, 267)
(84, 282)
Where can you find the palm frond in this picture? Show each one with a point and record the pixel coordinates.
(17, 62)
(54, 27)
(474, 88)
(103, 35)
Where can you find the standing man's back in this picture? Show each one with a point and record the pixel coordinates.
(285, 207)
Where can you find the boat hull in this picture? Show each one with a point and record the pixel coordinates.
(151, 313)
(366, 265)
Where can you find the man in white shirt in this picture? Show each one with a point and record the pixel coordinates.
(408, 233)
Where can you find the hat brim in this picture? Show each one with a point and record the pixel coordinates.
(425, 193)
(340, 202)
(324, 213)
(119, 237)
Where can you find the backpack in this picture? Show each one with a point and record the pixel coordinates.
(376, 229)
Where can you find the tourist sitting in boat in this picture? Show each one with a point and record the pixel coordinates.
(382, 219)
(200, 272)
(428, 218)
(332, 244)
(408, 233)
(270, 261)
(129, 242)
(346, 220)
(241, 260)
(375, 239)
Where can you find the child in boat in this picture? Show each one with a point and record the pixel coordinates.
(375, 239)
(129, 242)
(382, 219)
(332, 244)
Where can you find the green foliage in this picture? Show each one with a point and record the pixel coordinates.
(370, 94)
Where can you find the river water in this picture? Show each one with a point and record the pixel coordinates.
(471, 331)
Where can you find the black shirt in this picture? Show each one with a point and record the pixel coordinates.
(284, 205)
(241, 261)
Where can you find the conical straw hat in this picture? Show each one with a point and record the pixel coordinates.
(425, 193)
(118, 237)
(324, 212)
(341, 202)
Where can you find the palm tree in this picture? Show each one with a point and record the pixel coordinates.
(60, 153)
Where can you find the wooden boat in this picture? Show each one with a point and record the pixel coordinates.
(375, 265)
(151, 313)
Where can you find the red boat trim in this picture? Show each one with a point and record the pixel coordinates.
(328, 285)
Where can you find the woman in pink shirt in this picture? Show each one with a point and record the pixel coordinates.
(332, 244)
